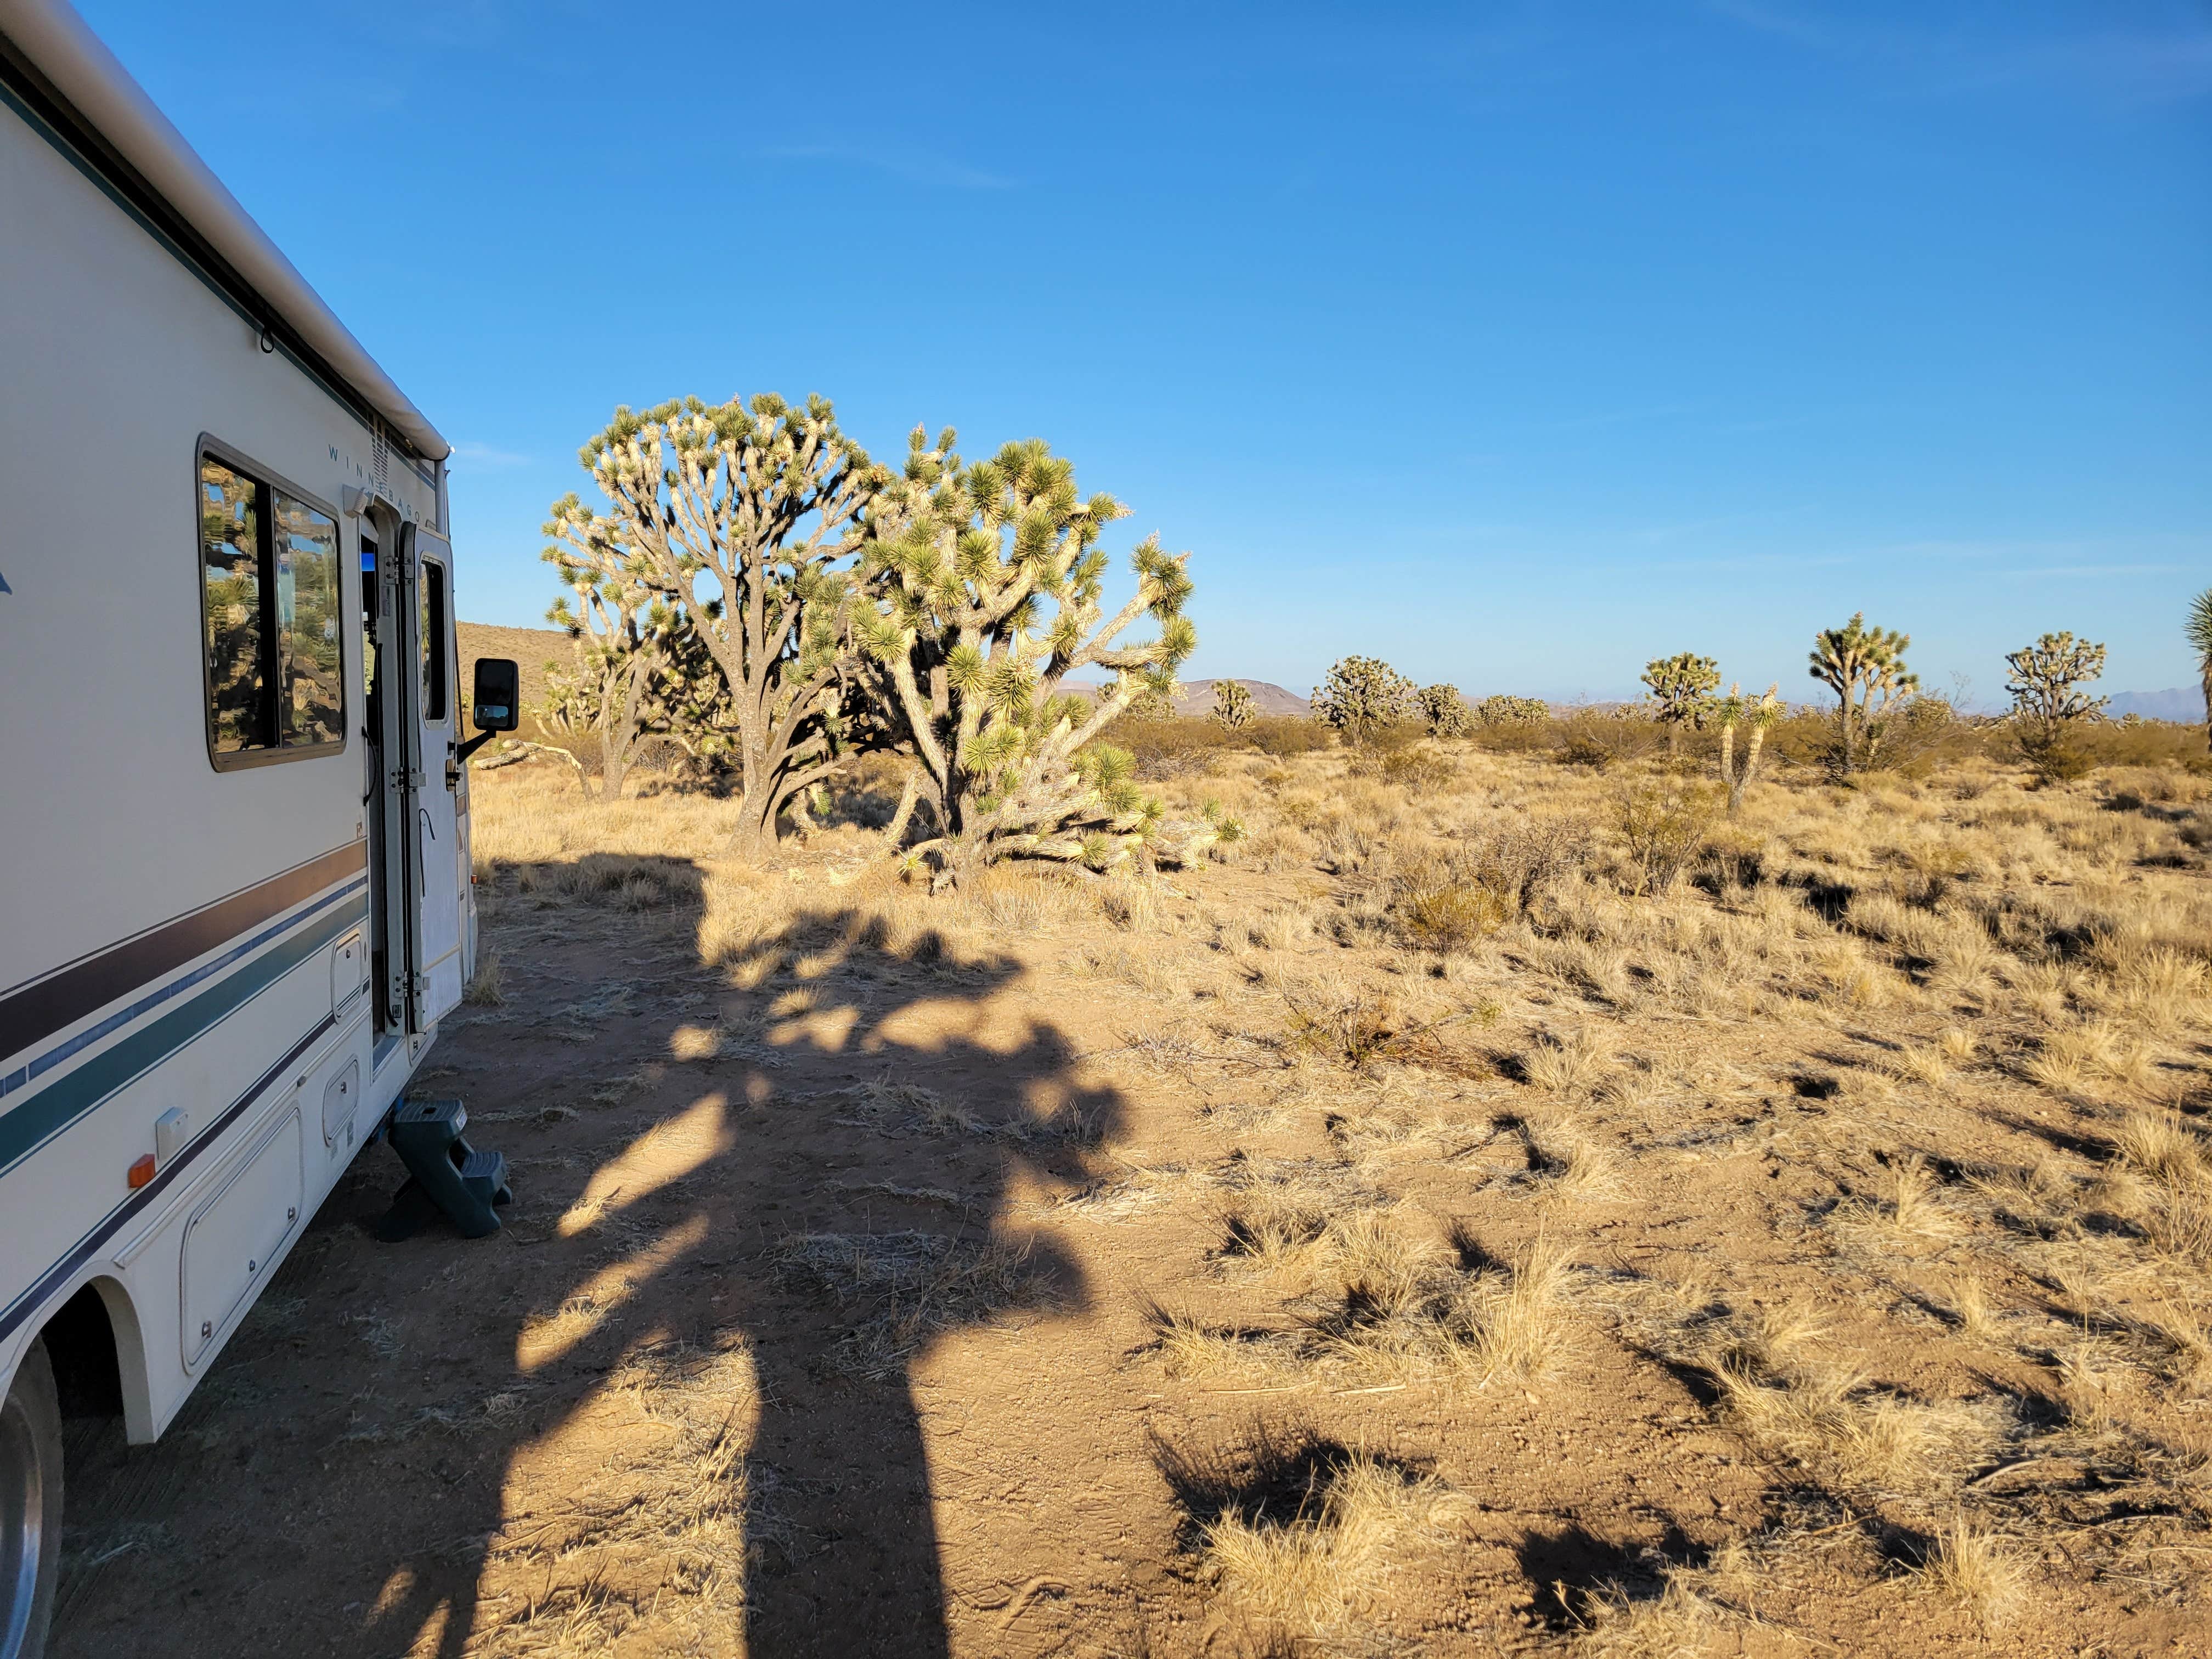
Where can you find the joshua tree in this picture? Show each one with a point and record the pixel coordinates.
(1445, 711)
(982, 585)
(767, 501)
(1362, 695)
(1754, 715)
(1512, 711)
(1232, 705)
(2046, 682)
(1865, 668)
(1682, 688)
(2198, 631)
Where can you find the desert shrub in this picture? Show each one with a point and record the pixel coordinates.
(1666, 823)
(2146, 742)
(1447, 902)
(2053, 753)
(1284, 735)
(1164, 747)
(1448, 911)
(1413, 767)
(1601, 738)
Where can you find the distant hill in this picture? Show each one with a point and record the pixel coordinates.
(2184, 704)
(531, 649)
(1267, 698)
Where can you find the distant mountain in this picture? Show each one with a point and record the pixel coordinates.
(2184, 704)
(1267, 698)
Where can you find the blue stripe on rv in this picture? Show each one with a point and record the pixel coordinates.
(25, 1128)
(23, 1075)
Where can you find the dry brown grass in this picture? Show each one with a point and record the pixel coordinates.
(1974, 1569)
(1932, 1056)
(1301, 1534)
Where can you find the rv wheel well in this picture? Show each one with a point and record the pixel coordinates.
(81, 1343)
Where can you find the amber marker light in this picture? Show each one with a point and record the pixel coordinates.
(142, 1170)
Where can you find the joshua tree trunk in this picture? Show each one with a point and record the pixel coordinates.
(894, 831)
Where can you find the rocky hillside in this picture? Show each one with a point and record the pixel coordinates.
(533, 649)
(1267, 698)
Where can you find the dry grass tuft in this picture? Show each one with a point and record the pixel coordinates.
(1300, 1532)
(1974, 1569)
(1402, 1311)
(487, 986)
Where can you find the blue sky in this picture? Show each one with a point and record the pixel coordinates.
(1516, 344)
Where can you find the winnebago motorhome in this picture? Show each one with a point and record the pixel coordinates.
(234, 896)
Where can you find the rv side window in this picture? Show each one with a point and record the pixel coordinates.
(434, 640)
(271, 616)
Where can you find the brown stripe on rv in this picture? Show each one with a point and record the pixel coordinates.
(37, 1011)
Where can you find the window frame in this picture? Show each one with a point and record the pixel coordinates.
(209, 445)
(436, 663)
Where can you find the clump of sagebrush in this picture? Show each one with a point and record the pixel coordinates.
(1665, 822)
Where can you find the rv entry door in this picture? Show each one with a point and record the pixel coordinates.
(429, 822)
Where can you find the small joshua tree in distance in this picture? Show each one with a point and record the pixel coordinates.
(1232, 705)
(1361, 696)
(2045, 680)
(1682, 688)
(1865, 668)
(2198, 632)
(1444, 710)
(1502, 710)
(1754, 715)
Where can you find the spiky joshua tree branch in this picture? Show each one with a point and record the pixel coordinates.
(1865, 668)
(983, 587)
(766, 500)
(2198, 632)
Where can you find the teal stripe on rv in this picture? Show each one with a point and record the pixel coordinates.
(49, 1110)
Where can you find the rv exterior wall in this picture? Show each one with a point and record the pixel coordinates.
(120, 360)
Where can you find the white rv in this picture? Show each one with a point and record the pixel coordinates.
(234, 892)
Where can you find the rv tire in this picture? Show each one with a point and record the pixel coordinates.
(30, 1506)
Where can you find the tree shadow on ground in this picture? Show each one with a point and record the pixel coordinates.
(1570, 1568)
(742, 1212)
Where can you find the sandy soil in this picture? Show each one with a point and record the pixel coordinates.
(674, 1408)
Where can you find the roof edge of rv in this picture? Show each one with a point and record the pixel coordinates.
(54, 40)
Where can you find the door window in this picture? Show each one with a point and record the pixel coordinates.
(434, 640)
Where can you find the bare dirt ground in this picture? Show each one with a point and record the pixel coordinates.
(1401, 1238)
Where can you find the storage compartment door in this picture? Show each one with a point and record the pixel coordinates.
(233, 1238)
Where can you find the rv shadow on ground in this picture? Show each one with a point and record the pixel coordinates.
(676, 1388)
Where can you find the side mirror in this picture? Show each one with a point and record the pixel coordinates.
(495, 703)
